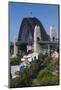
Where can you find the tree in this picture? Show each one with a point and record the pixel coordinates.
(44, 60)
(23, 80)
(35, 67)
(54, 66)
(45, 77)
(14, 61)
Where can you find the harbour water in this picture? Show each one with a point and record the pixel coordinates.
(14, 68)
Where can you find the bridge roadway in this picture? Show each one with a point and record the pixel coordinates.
(48, 42)
(40, 42)
(44, 43)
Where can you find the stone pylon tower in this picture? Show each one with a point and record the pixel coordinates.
(37, 36)
(15, 48)
(52, 33)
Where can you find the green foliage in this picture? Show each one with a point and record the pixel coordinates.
(53, 66)
(45, 60)
(34, 68)
(57, 48)
(49, 74)
(26, 78)
(41, 72)
(14, 61)
(14, 83)
(41, 56)
(46, 77)
(23, 80)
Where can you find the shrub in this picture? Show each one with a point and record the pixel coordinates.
(45, 60)
(53, 66)
(14, 61)
(45, 77)
(23, 80)
(34, 68)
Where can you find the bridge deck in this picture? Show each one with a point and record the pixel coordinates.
(48, 42)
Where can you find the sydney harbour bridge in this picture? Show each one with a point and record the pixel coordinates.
(32, 33)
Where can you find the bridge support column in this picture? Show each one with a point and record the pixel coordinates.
(48, 50)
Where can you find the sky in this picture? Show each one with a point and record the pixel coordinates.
(47, 14)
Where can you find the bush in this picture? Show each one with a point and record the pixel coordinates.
(34, 68)
(41, 56)
(53, 66)
(37, 65)
(40, 73)
(23, 80)
(45, 60)
(46, 77)
(14, 61)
